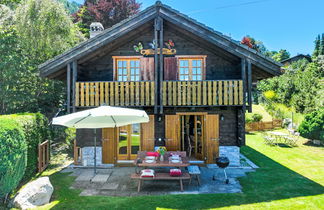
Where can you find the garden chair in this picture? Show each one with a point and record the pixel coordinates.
(292, 140)
(269, 140)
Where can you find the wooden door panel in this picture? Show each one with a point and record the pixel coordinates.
(108, 145)
(212, 137)
(147, 135)
(172, 128)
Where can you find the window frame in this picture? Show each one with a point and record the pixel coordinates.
(128, 59)
(190, 58)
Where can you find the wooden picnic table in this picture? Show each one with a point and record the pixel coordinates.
(165, 163)
(160, 176)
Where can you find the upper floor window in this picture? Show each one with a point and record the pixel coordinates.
(127, 69)
(191, 68)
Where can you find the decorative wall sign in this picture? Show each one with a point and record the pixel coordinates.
(169, 44)
(138, 47)
(165, 51)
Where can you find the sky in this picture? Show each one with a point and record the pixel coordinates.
(280, 24)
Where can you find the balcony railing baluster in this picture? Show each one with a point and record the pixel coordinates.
(175, 93)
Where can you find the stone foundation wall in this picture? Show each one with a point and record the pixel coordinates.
(232, 152)
(88, 154)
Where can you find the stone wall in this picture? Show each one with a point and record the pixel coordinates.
(88, 156)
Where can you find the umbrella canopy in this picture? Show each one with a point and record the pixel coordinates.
(102, 117)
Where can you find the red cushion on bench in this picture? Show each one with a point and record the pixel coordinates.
(147, 173)
(175, 172)
(155, 154)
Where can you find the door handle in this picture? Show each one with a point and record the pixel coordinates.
(214, 139)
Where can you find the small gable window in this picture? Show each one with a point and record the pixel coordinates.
(191, 68)
(127, 69)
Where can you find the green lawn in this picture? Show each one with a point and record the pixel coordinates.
(288, 178)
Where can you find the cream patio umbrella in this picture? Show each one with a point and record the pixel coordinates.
(101, 117)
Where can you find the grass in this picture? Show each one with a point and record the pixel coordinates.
(260, 110)
(288, 178)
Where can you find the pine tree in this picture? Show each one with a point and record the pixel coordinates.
(317, 46)
(321, 51)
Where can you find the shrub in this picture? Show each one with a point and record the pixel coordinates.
(256, 117)
(34, 126)
(13, 155)
(312, 126)
(270, 94)
(248, 119)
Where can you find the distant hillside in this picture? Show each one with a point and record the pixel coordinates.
(71, 6)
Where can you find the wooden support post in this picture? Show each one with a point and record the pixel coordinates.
(74, 79)
(249, 85)
(161, 65)
(68, 87)
(242, 114)
(156, 64)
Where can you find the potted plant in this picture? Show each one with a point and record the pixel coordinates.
(161, 151)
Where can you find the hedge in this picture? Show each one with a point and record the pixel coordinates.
(35, 128)
(13, 155)
(312, 127)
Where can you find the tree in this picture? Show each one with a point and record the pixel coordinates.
(41, 29)
(45, 29)
(317, 46)
(107, 12)
(281, 55)
(298, 87)
(256, 45)
(321, 49)
(10, 3)
(71, 6)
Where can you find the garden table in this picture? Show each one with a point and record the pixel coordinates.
(165, 163)
(279, 136)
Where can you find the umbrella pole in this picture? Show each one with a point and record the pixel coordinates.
(95, 151)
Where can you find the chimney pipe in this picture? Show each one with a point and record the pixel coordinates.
(95, 29)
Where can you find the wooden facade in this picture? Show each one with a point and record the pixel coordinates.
(196, 94)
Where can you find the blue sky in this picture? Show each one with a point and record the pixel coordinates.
(279, 24)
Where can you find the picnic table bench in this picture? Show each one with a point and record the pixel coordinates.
(160, 176)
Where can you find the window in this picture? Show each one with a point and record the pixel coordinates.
(191, 68)
(127, 69)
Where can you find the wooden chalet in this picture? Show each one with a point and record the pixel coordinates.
(194, 82)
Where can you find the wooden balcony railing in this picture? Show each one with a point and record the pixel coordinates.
(114, 93)
(200, 93)
(174, 93)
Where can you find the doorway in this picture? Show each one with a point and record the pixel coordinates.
(128, 141)
(192, 135)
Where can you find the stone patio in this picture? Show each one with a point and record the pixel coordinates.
(116, 182)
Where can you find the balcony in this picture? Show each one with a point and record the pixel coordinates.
(114, 93)
(203, 93)
(174, 93)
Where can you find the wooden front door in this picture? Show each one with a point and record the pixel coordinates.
(212, 137)
(172, 129)
(109, 145)
(147, 137)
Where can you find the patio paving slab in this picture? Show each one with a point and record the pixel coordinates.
(110, 186)
(119, 182)
(100, 178)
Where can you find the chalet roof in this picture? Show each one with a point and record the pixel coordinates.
(232, 46)
(297, 57)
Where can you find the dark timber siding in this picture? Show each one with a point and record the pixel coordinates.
(228, 126)
(217, 68)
